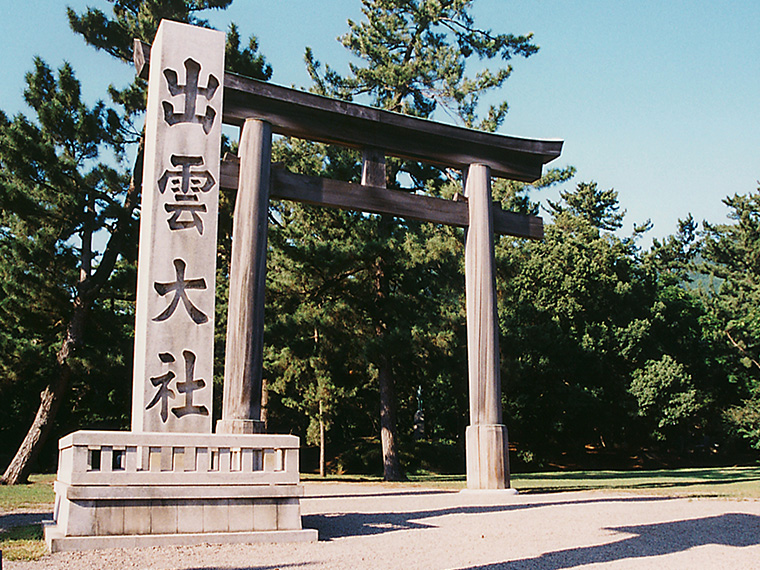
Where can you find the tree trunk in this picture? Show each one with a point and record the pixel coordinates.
(89, 287)
(265, 404)
(50, 400)
(322, 472)
(374, 174)
(391, 465)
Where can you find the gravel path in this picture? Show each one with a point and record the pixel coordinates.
(376, 526)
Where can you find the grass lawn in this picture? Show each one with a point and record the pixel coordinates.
(38, 491)
(727, 482)
(26, 543)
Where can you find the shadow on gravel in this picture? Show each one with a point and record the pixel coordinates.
(340, 525)
(390, 493)
(268, 567)
(731, 529)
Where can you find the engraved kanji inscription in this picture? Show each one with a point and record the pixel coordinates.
(164, 393)
(191, 90)
(189, 386)
(186, 184)
(179, 288)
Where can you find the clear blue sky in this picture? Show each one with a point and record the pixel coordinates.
(659, 100)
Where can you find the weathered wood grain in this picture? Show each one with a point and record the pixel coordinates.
(480, 291)
(486, 437)
(241, 404)
(373, 168)
(377, 200)
(308, 116)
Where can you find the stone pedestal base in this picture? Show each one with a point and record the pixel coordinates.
(59, 543)
(487, 457)
(119, 517)
(239, 426)
(122, 489)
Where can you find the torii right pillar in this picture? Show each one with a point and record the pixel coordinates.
(486, 437)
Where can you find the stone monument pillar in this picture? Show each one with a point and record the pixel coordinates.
(174, 333)
(485, 437)
(170, 480)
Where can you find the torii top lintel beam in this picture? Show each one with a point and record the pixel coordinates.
(308, 116)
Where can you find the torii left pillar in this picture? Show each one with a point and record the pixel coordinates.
(486, 437)
(243, 369)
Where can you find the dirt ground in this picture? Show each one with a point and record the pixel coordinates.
(378, 526)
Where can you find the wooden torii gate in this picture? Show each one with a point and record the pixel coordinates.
(263, 109)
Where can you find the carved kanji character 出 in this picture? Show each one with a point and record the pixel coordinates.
(191, 91)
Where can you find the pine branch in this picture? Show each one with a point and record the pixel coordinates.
(91, 286)
(741, 349)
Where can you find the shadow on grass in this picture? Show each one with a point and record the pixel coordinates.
(13, 520)
(707, 475)
(659, 539)
(589, 480)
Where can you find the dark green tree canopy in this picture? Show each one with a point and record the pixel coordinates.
(135, 19)
(414, 56)
(139, 19)
(604, 347)
(600, 208)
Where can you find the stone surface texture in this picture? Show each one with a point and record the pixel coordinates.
(173, 370)
(242, 484)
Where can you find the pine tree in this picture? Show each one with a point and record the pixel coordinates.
(412, 58)
(74, 196)
(55, 198)
(731, 254)
(572, 312)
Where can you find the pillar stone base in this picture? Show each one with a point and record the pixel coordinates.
(487, 456)
(239, 426)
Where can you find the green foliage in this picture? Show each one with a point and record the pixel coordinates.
(604, 347)
(573, 316)
(416, 54)
(412, 58)
(135, 19)
(591, 327)
(55, 196)
(745, 420)
(358, 297)
(731, 257)
(247, 61)
(68, 237)
(515, 196)
(666, 394)
(587, 202)
(139, 19)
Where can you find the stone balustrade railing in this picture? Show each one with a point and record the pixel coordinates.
(96, 458)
